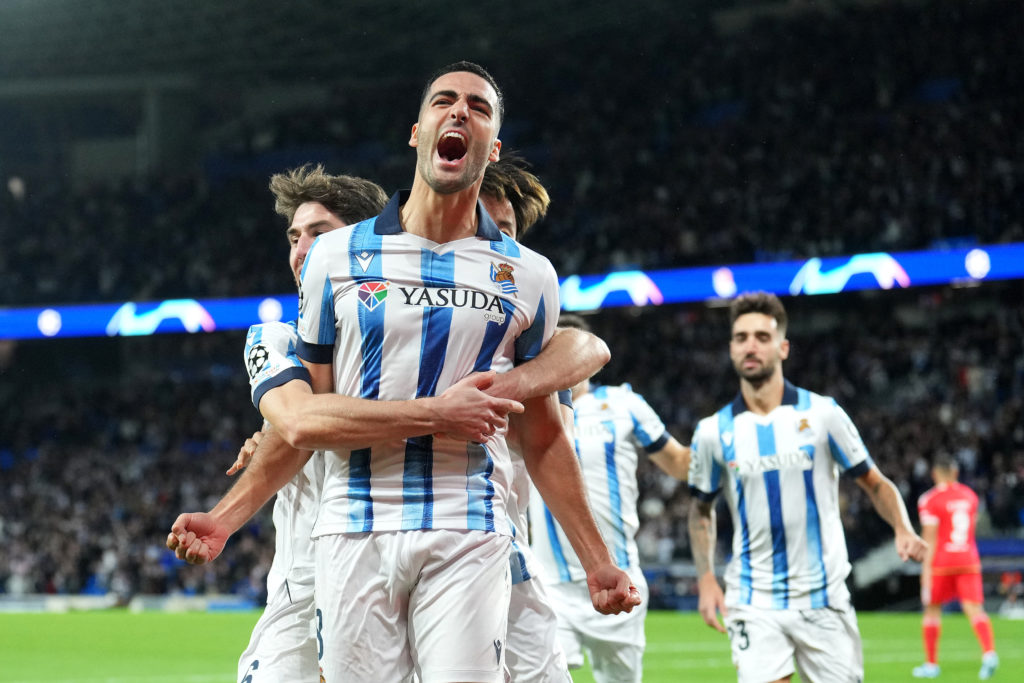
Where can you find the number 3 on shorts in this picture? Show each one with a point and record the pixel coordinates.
(738, 634)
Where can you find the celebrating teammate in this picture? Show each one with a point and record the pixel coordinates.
(412, 537)
(283, 644)
(952, 566)
(614, 427)
(776, 451)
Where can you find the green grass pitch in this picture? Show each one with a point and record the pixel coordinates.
(151, 647)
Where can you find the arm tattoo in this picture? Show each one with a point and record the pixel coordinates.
(703, 534)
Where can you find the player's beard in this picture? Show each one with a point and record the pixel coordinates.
(756, 376)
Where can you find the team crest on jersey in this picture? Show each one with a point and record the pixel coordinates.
(372, 294)
(502, 274)
(803, 425)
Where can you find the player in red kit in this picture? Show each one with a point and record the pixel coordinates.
(952, 569)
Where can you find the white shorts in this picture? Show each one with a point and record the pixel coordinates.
(825, 643)
(283, 646)
(395, 603)
(533, 653)
(614, 643)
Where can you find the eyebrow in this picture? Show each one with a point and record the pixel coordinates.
(476, 99)
(292, 230)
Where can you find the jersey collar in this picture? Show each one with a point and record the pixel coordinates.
(388, 223)
(789, 398)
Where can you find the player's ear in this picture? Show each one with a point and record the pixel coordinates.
(413, 142)
(495, 151)
(784, 349)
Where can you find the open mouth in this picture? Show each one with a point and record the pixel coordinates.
(452, 146)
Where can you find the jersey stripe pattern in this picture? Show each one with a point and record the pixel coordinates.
(271, 362)
(402, 317)
(780, 475)
(614, 426)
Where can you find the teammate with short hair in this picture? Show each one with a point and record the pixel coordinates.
(412, 537)
(777, 451)
(614, 427)
(952, 567)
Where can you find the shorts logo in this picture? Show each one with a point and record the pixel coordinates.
(502, 274)
(372, 294)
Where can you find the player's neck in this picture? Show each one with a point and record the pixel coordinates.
(763, 397)
(440, 217)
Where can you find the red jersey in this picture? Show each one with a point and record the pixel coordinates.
(954, 508)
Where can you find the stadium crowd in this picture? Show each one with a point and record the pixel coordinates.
(868, 129)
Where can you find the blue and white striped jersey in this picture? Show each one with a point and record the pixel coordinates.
(780, 477)
(271, 361)
(613, 426)
(402, 317)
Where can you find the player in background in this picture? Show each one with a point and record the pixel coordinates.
(952, 568)
(614, 428)
(776, 451)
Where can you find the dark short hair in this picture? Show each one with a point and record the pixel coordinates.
(759, 302)
(573, 320)
(945, 461)
(349, 198)
(470, 67)
(508, 178)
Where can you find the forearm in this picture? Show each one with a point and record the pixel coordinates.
(332, 421)
(570, 357)
(555, 471)
(273, 465)
(703, 536)
(888, 503)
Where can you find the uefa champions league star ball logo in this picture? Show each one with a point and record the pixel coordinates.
(258, 356)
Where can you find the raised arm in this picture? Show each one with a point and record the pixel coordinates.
(889, 504)
(703, 535)
(673, 459)
(555, 471)
(570, 357)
